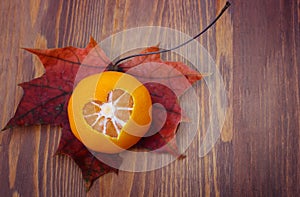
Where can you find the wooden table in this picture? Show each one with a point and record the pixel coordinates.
(256, 47)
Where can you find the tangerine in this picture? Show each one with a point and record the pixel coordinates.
(109, 112)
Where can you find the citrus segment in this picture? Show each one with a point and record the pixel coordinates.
(109, 117)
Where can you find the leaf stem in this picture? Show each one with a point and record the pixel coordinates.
(182, 44)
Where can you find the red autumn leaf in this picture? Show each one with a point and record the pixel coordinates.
(165, 81)
(191, 75)
(90, 166)
(124, 67)
(161, 137)
(45, 99)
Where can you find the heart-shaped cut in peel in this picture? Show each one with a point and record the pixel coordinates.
(109, 112)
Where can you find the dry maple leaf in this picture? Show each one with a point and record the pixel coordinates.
(151, 68)
(165, 81)
(90, 166)
(45, 99)
(162, 139)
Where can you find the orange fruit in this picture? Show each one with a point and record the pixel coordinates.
(109, 112)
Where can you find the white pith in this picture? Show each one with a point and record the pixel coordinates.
(108, 111)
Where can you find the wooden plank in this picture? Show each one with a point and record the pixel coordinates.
(256, 48)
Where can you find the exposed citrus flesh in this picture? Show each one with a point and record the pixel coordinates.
(109, 112)
(109, 117)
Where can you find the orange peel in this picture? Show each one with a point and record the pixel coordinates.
(109, 112)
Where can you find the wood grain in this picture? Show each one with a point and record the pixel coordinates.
(256, 47)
